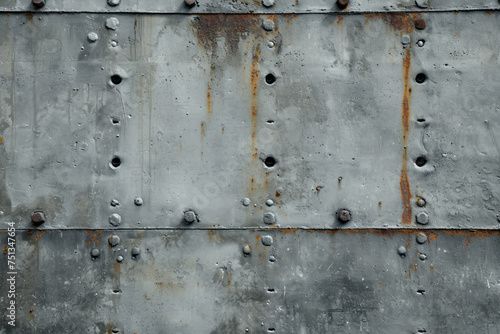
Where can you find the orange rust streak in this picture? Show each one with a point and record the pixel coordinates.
(209, 100)
(30, 16)
(5, 249)
(1, 140)
(404, 183)
(254, 84)
(40, 233)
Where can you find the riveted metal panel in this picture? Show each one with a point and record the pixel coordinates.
(304, 282)
(194, 120)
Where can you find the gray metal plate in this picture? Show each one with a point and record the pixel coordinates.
(201, 282)
(193, 120)
(247, 6)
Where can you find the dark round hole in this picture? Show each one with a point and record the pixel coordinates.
(270, 162)
(420, 78)
(270, 79)
(116, 162)
(421, 120)
(421, 161)
(116, 79)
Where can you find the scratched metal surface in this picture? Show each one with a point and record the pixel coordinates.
(201, 282)
(193, 120)
(246, 6)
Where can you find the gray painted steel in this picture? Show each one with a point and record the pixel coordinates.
(315, 183)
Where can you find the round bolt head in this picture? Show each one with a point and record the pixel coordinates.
(112, 23)
(272, 258)
(38, 217)
(422, 218)
(269, 218)
(92, 37)
(267, 240)
(422, 257)
(270, 44)
(402, 250)
(342, 3)
(421, 238)
(95, 252)
(135, 252)
(268, 25)
(113, 3)
(190, 3)
(113, 240)
(420, 24)
(247, 250)
(138, 201)
(38, 3)
(269, 202)
(344, 215)
(115, 219)
(189, 216)
(420, 43)
(405, 39)
(268, 3)
(421, 202)
(119, 258)
(245, 201)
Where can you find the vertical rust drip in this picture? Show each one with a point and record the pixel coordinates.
(404, 183)
(209, 99)
(254, 83)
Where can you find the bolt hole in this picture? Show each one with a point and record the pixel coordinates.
(116, 79)
(115, 121)
(271, 330)
(117, 291)
(420, 292)
(270, 121)
(421, 161)
(116, 162)
(271, 290)
(421, 120)
(270, 79)
(269, 162)
(420, 78)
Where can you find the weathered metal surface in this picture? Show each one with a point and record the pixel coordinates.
(305, 282)
(214, 114)
(248, 6)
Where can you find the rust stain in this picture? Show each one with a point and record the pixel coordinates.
(339, 20)
(110, 328)
(278, 193)
(39, 234)
(254, 84)
(94, 235)
(404, 183)
(202, 130)
(489, 13)
(209, 99)
(31, 314)
(432, 267)
(397, 21)
(288, 18)
(30, 16)
(1, 140)
(229, 284)
(5, 249)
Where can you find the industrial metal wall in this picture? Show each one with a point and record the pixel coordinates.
(246, 167)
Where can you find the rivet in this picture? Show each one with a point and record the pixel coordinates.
(402, 251)
(272, 258)
(138, 201)
(38, 217)
(422, 3)
(270, 44)
(119, 258)
(114, 202)
(135, 252)
(115, 219)
(38, 3)
(269, 218)
(113, 240)
(95, 252)
(245, 201)
(247, 250)
(268, 3)
(269, 202)
(190, 3)
(421, 42)
(267, 240)
(422, 218)
(405, 39)
(343, 215)
(342, 3)
(268, 25)
(92, 37)
(421, 202)
(421, 238)
(189, 216)
(422, 257)
(113, 3)
(114, 43)
(112, 23)
(420, 24)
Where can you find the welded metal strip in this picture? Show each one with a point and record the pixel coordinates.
(231, 282)
(248, 127)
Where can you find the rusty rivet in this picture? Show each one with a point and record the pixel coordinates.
(421, 202)
(247, 249)
(421, 238)
(420, 24)
(342, 3)
(344, 215)
(113, 240)
(189, 216)
(38, 217)
(190, 3)
(38, 3)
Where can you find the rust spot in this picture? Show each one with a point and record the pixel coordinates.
(5, 249)
(379, 203)
(397, 21)
(432, 267)
(489, 13)
(39, 234)
(31, 314)
(202, 130)
(404, 183)
(233, 28)
(222, 130)
(380, 283)
(94, 236)
(257, 237)
(1, 140)
(289, 18)
(254, 84)
(229, 284)
(278, 193)
(110, 328)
